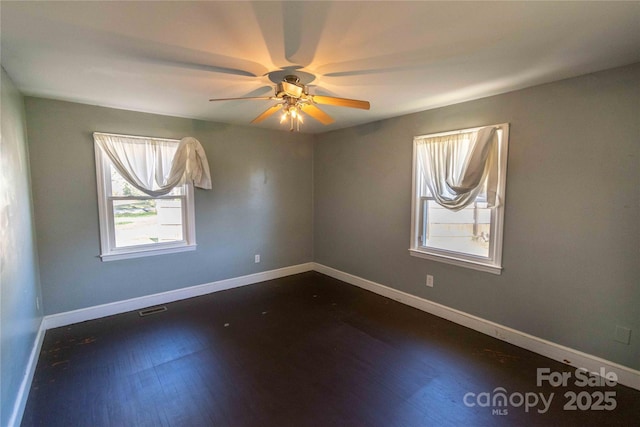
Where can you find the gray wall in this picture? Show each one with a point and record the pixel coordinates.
(19, 281)
(261, 202)
(572, 233)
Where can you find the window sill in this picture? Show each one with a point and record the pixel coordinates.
(115, 256)
(487, 268)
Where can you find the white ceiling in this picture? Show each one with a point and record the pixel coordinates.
(171, 57)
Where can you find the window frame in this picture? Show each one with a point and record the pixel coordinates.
(490, 264)
(108, 249)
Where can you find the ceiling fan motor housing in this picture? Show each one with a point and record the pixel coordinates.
(291, 86)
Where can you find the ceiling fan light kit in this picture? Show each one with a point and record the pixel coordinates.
(294, 99)
(292, 112)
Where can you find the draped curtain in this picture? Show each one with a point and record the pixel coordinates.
(455, 167)
(156, 166)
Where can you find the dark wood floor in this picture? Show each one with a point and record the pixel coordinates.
(305, 350)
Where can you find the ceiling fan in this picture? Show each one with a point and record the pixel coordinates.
(293, 99)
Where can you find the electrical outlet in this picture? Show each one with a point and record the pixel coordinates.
(257, 258)
(429, 280)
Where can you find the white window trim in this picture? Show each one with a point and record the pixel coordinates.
(108, 251)
(494, 263)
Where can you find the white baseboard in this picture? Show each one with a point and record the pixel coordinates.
(566, 355)
(103, 310)
(575, 358)
(25, 386)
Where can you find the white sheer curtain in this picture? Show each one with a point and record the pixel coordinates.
(455, 166)
(156, 166)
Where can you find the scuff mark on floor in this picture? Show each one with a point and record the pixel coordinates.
(498, 355)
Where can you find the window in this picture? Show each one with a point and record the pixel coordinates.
(133, 223)
(462, 222)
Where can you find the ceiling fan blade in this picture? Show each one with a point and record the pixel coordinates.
(249, 97)
(317, 114)
(341, 102)
(267, 113)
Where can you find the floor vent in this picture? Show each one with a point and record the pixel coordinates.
(152, 310)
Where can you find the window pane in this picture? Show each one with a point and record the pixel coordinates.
(144, 222)
(466, 231)
(120, 187)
